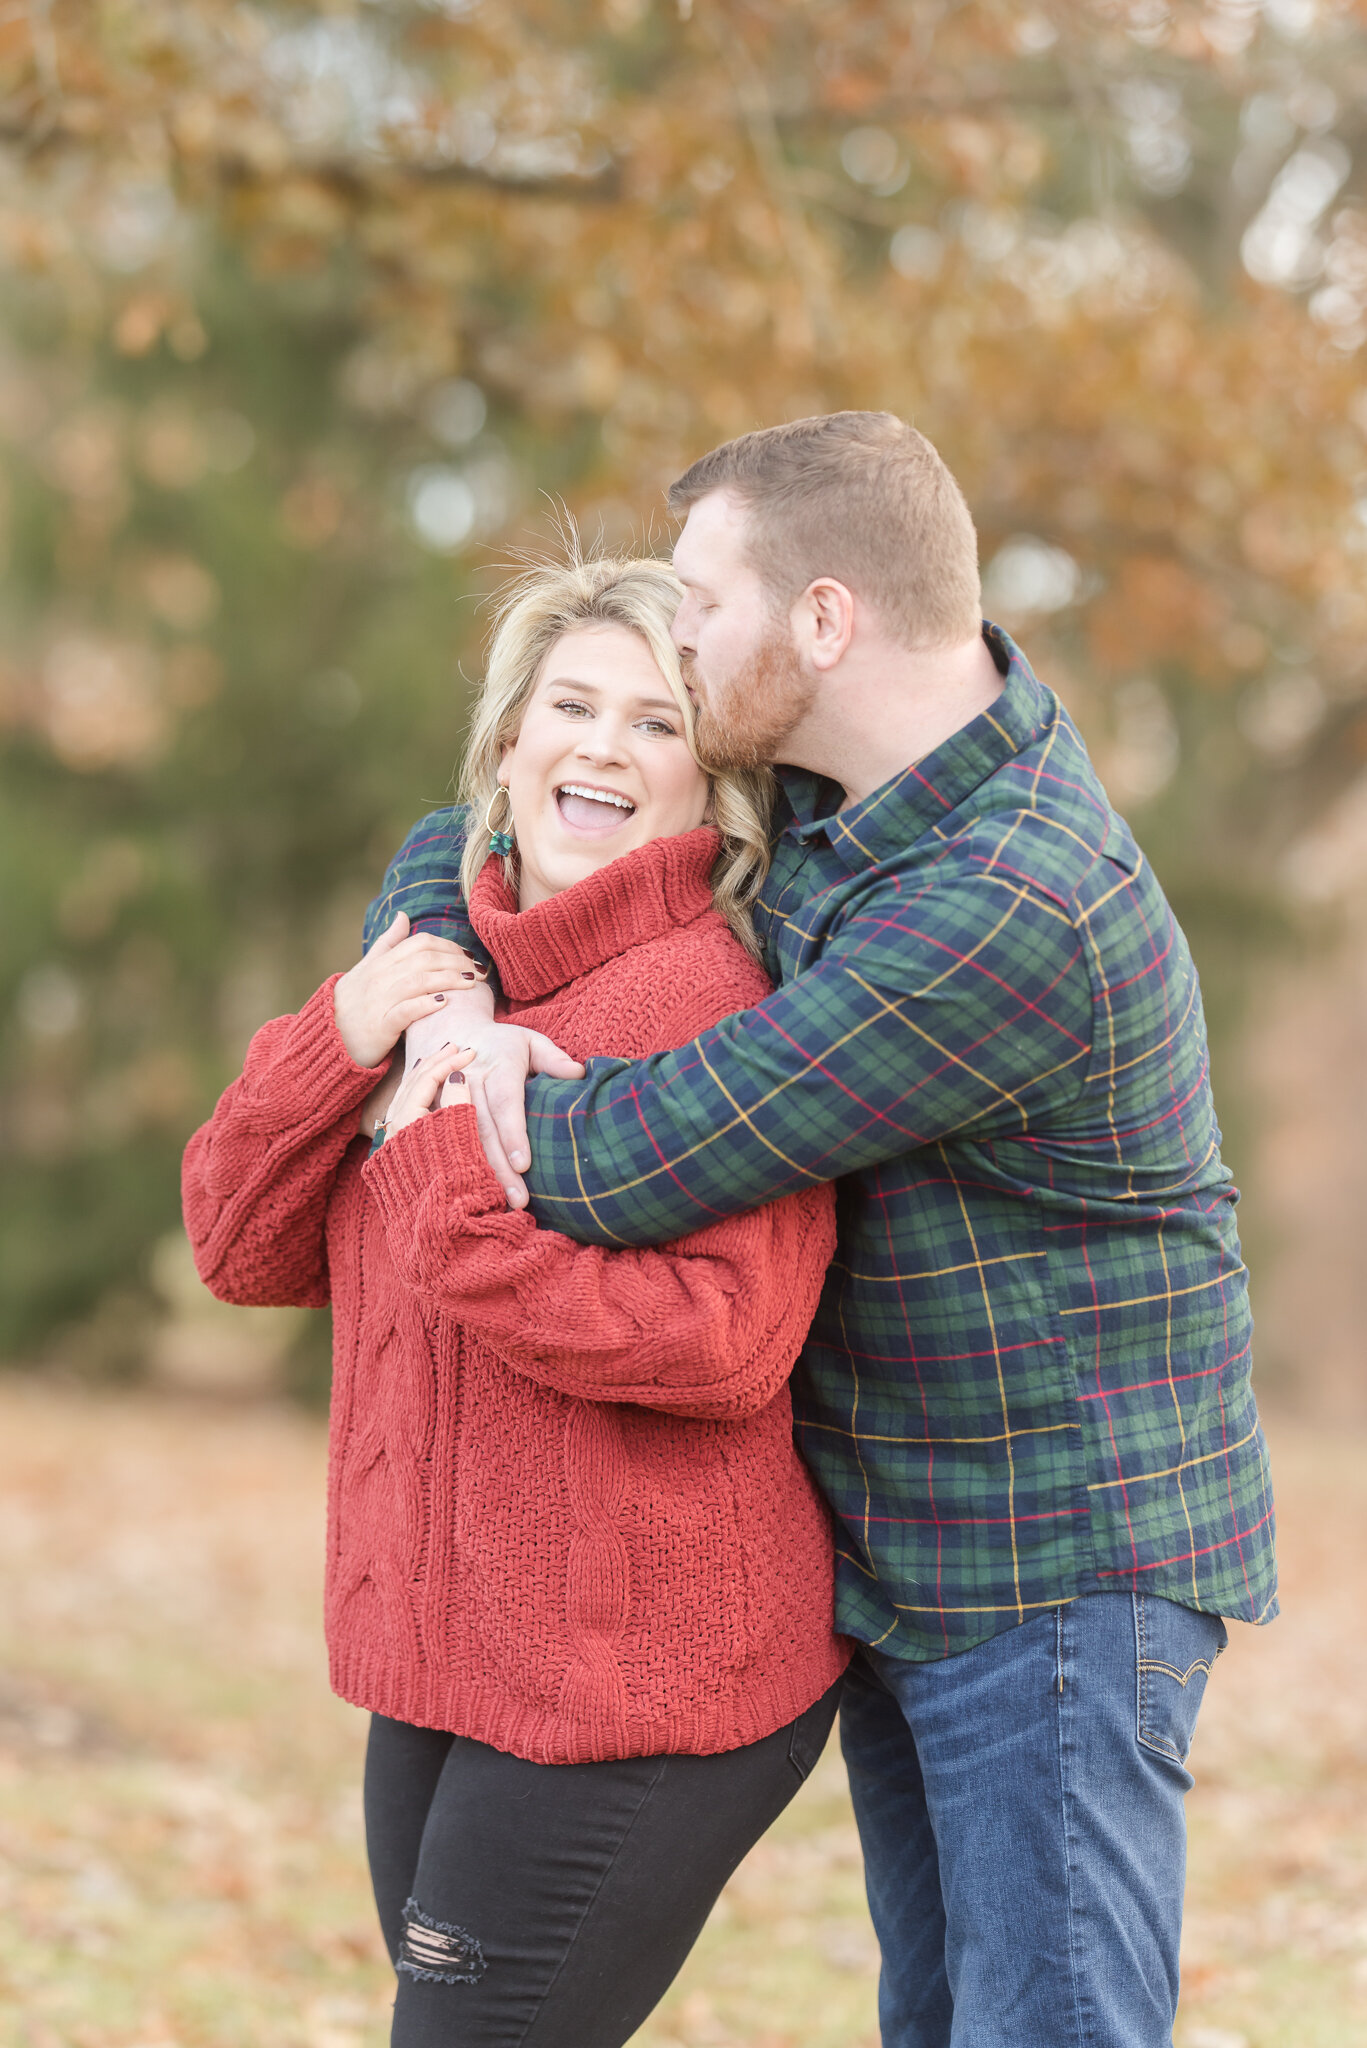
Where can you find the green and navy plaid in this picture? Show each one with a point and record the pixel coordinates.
(1029, 1376)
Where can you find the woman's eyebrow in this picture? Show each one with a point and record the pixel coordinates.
(596, 690)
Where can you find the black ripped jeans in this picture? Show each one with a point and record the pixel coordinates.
(552, 1905)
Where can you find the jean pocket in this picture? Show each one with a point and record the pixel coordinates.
(1176, 1650)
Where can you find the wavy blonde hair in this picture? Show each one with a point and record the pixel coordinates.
(552, 598)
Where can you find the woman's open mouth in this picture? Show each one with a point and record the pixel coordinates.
(587, 808)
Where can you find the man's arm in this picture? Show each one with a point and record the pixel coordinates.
(423, 880)
(965, 1006)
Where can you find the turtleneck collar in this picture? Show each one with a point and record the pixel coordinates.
(640, 896)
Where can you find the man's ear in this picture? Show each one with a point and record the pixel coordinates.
(823, 621)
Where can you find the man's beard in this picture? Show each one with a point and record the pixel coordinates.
(745, 722)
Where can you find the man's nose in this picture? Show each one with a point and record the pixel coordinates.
(682, 631)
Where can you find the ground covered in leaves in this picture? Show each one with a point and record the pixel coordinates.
(180, 1836)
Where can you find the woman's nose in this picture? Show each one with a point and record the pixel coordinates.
(603, 743)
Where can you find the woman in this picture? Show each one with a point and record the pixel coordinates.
(576, 1571)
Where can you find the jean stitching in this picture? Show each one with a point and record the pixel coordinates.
(1171, 1671)
(1146, 1734)
(1063, 1709)
(592, 1901)
(1146, 1668)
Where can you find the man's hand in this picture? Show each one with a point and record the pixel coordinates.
(505, 1056)
(400, 980)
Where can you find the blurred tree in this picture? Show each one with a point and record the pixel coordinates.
(305, 305)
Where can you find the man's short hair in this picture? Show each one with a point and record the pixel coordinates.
(860, 496)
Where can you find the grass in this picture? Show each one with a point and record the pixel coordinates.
(180, 1833)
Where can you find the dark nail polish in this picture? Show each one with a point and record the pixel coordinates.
(439, 999)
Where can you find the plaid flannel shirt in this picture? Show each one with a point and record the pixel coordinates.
(1029, 1376)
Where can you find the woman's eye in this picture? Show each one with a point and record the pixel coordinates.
(572, 705)
(659, 728)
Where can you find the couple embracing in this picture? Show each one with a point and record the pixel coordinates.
(863, 1326)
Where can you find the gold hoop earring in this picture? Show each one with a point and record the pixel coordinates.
(500, 836)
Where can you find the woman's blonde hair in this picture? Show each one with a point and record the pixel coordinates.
(542, 604)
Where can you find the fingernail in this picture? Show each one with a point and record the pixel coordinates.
(439, 999)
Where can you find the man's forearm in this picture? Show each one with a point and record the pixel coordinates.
(855, 1062)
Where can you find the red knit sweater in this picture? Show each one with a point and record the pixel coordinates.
(565, 1513)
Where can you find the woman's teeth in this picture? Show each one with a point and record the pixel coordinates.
(593, 809)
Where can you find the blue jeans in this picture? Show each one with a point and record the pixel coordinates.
(1020, 1807)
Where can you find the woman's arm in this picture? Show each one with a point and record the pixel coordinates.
(257, 1177)
(708, 1327)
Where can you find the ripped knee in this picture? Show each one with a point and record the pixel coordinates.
(435, 1952)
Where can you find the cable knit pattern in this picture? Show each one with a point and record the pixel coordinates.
(565, 1513)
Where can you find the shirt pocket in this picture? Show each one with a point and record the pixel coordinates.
(1176, 1649)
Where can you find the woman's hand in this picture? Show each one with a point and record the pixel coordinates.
(504, 1058)
(438, 1082)
(400, 980)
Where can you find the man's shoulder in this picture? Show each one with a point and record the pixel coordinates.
(1044, 819)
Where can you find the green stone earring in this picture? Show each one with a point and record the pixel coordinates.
(500, 837)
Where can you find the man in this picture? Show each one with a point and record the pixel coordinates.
(1026, 1393)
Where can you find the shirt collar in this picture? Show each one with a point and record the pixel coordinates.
(918, 797)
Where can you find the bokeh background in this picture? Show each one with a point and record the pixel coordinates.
(314, 316)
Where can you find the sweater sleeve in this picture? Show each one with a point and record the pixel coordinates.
(257, 1177)
(707, 1327)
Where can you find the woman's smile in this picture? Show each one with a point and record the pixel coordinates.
(601, 763)
(588, 807)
